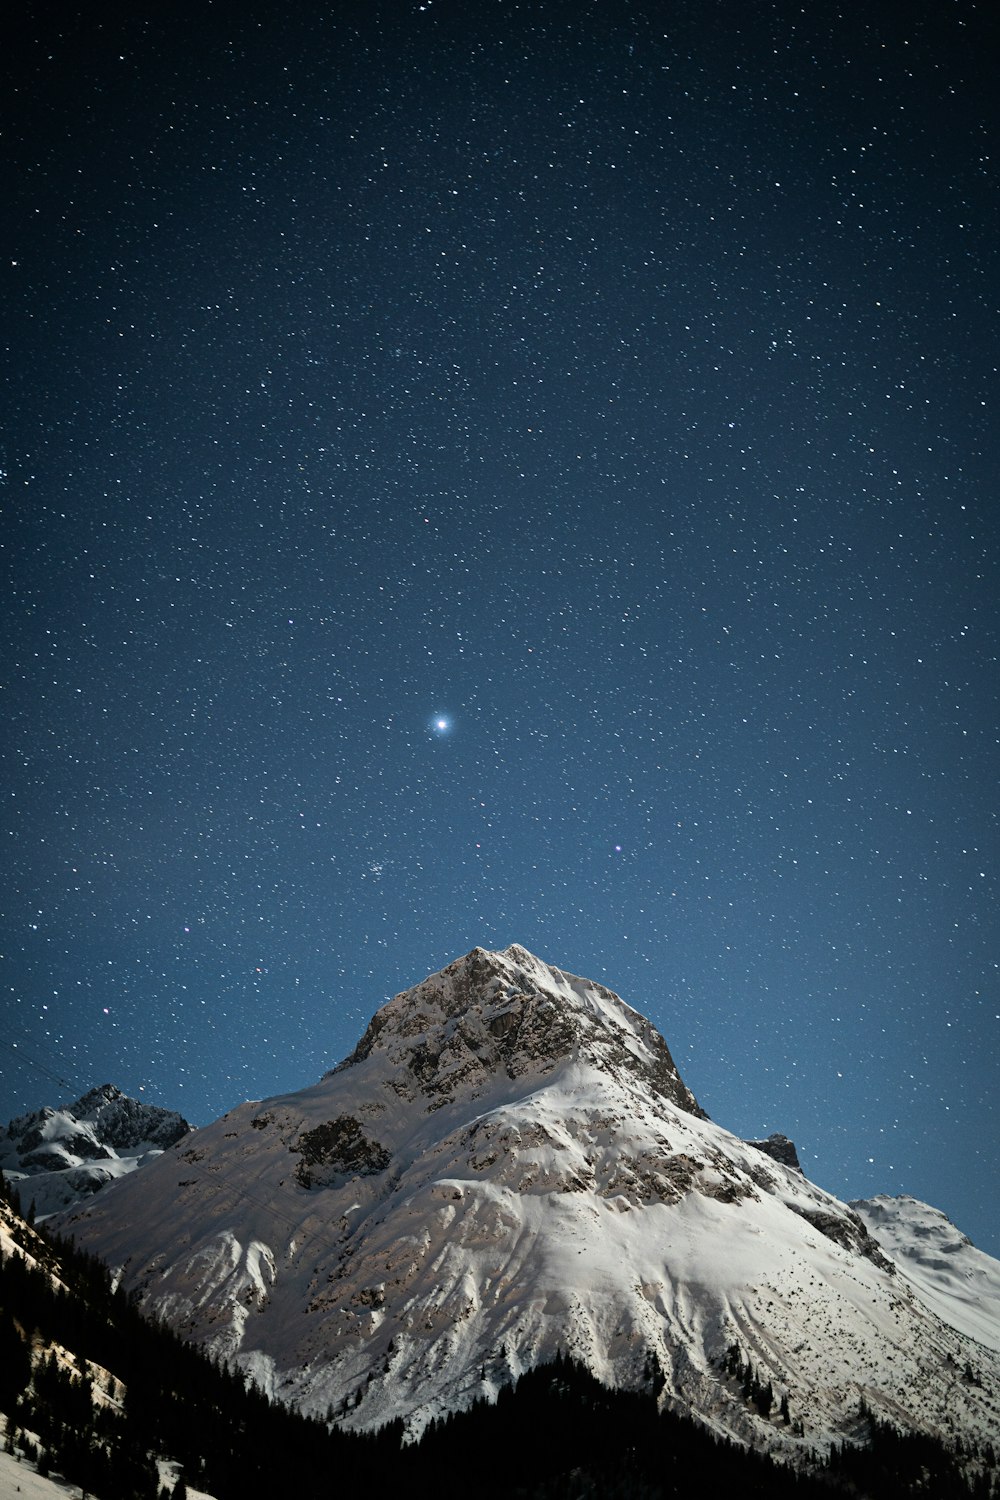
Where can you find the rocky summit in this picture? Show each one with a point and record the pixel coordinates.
(509, 1014)
(509, 1166)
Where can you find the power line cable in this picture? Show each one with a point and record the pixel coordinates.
(22, 1056)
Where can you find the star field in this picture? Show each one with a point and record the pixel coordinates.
(511, 473)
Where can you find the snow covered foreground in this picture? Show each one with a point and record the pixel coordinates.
(20, 1477)
(509, 1165)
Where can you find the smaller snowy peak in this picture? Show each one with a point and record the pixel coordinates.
(913, 1229)
(56, 1156)
(958, 1282)
(510, 1013)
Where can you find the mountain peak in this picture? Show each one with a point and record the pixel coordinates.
(104, 1093)
(510, 1013)
(72, 1151)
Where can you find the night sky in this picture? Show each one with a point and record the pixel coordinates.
(489, 473)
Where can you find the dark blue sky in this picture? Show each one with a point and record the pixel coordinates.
(618, 382)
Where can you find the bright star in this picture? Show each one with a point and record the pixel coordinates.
(440, 724)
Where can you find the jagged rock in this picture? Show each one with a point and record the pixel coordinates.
(780, 1148)
(337, 1150)
(127, 1123)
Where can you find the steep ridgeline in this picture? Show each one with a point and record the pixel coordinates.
(508, 1166)
(56, 1157)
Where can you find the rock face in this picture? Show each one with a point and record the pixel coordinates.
(56, 1157)
(128, 1124)
(509, 1166)
(336, 1151)
(779, 1148)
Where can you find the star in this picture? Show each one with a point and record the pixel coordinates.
(642, 591)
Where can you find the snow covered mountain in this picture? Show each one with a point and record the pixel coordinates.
(56, 1157)
(509, 1165)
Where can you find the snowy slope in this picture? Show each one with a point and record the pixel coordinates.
(18, 1476)
(509, 1165)
(56, 1157)
(948, 1273)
